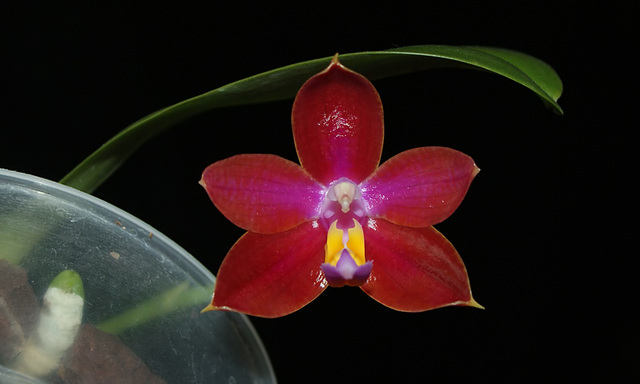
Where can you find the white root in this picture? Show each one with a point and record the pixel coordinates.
(60, 319)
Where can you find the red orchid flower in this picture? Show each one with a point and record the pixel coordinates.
(339, 219)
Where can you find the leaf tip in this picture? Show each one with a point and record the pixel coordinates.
(68, 281)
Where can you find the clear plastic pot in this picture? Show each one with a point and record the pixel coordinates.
(143, 293)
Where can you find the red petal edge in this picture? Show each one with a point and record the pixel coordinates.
(338, 125)
(263, 193)
(414, 269)
(419, 187)
(272, 275)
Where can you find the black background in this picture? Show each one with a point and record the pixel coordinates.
(545, 230)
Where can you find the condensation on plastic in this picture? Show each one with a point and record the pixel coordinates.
(123, 262)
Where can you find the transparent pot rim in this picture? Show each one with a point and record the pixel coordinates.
(71, 194)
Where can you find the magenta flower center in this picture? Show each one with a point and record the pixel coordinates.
(343, 202)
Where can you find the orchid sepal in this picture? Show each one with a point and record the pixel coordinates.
(415, 269)
(338, 125)
(271, 275)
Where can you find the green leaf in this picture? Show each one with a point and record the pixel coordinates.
(178, 297)
(284, 82)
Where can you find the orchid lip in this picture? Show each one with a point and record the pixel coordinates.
(346, 271)
(345, 262)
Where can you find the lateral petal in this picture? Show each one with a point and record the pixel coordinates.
(419, 187)
(263, 193)
(271, 275)
(338, 125)
(414, 269)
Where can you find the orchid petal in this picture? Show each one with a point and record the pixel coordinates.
(272, 275)
(419, 187)
(338, 125)
(263, 193)
(414, 269)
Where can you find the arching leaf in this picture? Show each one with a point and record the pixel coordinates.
(282, 83)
